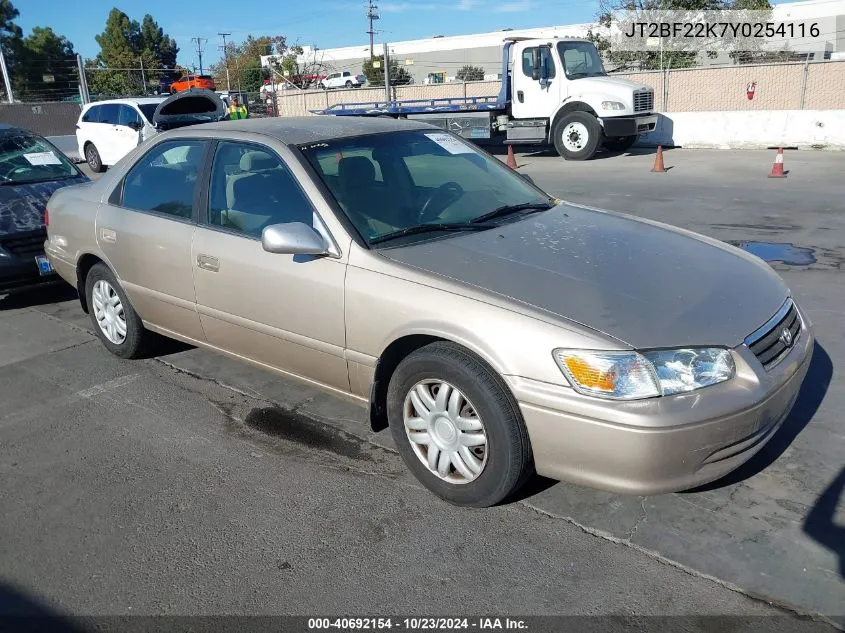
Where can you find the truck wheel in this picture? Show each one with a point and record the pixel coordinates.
(577, 135)
(620, 144)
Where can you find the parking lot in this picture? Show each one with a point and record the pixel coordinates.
(193, 484)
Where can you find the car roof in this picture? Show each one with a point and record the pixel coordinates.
(129, 101)
(310, 129)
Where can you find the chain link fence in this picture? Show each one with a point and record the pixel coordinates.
(774, 86)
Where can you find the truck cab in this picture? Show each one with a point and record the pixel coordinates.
(560, 94)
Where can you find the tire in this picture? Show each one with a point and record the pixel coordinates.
(621, 143)
(585, 133)
(500, 467)
(348, 84)
(92, 157)
(136, 340)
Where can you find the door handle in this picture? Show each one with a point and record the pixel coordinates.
(207, 262)
(107, 235)
(520, 95)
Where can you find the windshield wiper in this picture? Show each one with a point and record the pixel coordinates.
(430, 228)
(507, 209)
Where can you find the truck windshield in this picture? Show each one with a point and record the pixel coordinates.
(580, 59)
(403, 186)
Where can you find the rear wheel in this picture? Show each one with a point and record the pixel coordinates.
(116, 323)
(92, 157)
(457, 427)
(621, 143)
(577, 135)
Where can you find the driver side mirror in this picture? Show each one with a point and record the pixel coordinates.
(136, 125)
(293, 238)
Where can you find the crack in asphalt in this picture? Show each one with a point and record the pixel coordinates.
(643, 517)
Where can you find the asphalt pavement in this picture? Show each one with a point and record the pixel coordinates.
(192, 484)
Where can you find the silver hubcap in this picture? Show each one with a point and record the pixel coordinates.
(108, 310)
(445, 431)
(92, 156)
(575, 136)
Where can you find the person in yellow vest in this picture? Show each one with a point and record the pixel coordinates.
(236, 110)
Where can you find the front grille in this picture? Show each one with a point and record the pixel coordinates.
(770, 343)
(644, 101)
(30, 243)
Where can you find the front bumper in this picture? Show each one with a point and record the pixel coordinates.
(18, 267)
(662, 444)
(629, 125)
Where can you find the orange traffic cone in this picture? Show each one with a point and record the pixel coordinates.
(511, 158)
(658, 161)
(777, 167)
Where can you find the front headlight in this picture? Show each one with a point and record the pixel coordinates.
(612, 105)
(631, 375)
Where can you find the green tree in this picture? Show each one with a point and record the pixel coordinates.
(470, 73)
(375, 74)
(10, 35)
(46, 66)
(126, 44)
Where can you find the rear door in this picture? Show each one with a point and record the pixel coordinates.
(145, 231)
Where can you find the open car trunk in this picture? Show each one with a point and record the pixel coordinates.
(189, 107)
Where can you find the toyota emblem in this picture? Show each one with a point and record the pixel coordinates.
(786, 337)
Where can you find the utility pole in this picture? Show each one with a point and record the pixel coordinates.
(386, 75)
(143, 77)
(371, 16)
(83, 80)
(226, 61)
(199, 41)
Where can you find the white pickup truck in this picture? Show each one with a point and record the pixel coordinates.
(554, 92)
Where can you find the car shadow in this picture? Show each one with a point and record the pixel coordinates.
(534, 486)
(20, 612)
(53, 293)
(810, 397)
(819, 523)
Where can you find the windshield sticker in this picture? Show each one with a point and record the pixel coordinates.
(42, 158)
(450, 144)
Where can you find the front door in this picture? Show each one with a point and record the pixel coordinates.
(146, 232)
(126, 138)
(535, 98)
(283, 311)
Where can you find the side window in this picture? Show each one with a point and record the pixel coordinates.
(92, 115)
(110, 113)
(251, 188)
(346, 73)
(128, 115)
(546, 60)
(164, 179)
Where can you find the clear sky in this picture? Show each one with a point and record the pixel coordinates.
(324, 23)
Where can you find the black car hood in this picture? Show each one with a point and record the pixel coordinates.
(189, 107)
(22, 206)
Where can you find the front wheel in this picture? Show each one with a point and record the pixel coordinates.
(348, 84)
(577, 135)
(457, 427)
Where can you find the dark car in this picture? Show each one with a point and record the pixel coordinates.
(31, 169)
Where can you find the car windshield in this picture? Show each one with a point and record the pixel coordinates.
(389, 185)
(28, 159)
(149, 109)
(580, 59)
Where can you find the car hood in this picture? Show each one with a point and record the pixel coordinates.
(189, 107)
(22, 206)
(643, 283)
